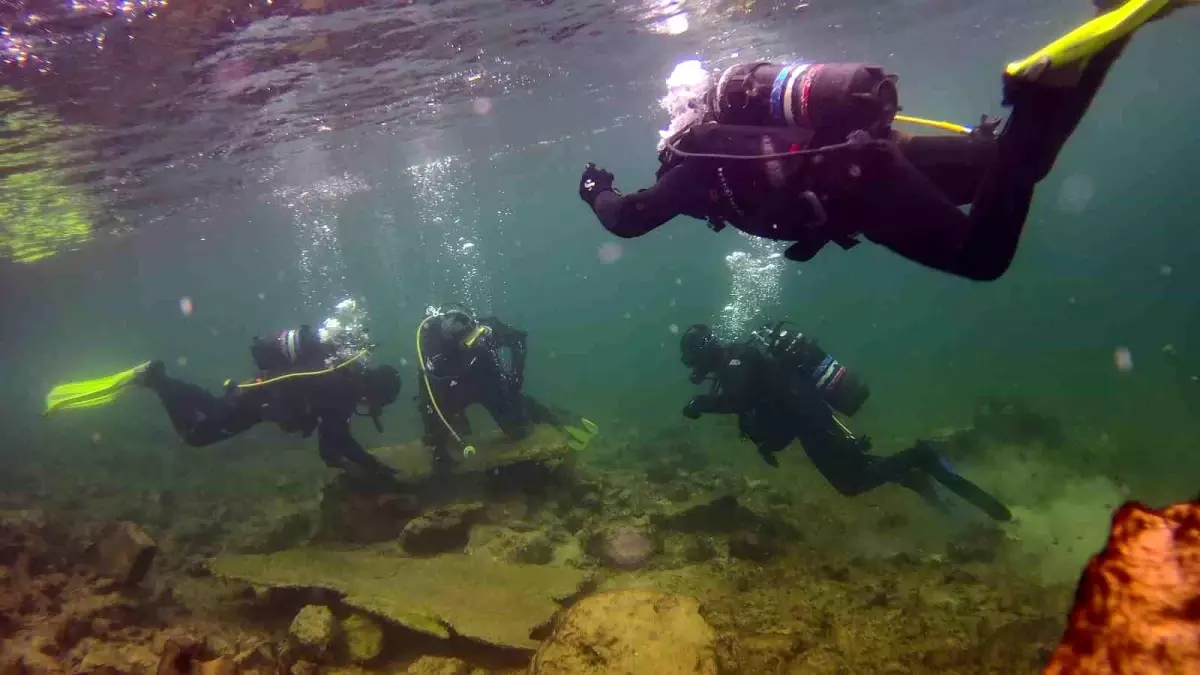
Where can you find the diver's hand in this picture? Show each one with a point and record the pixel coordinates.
(593, 182)
(690, 410)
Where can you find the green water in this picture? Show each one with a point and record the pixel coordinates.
(1116, 267)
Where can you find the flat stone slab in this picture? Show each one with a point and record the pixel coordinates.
(544, 445)
(490, 601)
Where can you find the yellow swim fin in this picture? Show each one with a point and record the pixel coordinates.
(1076, 47)
(91, 393)
(581, 437)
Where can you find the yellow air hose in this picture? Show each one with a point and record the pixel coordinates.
(468, 450)
(944, 126)
(311, 373)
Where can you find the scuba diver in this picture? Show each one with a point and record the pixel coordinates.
(784, 387)
(806, 153)
(462, 361)
(307, 381)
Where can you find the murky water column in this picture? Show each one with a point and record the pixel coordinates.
(449, 233)
(314, 214)
(755, 271)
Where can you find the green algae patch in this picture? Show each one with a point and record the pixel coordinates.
(489, 601)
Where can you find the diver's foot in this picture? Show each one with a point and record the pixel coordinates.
(150, 374)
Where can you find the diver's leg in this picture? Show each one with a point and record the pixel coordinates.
(436, 435)
(507, 408)
(904, 209)
(540, 413)
(1042, 121)
(199, 417)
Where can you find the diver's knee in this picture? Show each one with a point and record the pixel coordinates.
(987, 271)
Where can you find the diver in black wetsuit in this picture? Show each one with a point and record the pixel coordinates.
(303, 385)
(463, 363)
(783, 387)
(807, 154)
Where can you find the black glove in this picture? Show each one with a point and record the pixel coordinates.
(690, 410)
(593, 182)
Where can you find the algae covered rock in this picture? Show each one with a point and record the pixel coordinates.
(440, 531)
(313, 628)
(438, 665)
(626, 545)
(364, 637)
(125, 554)
(631, 631)
(473, 596)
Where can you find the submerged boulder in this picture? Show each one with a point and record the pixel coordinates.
(364, 637)
(126, 553)
(629, 631)
(313, 629)
(473, 596)
(623, 544)
(438, 665)
(440, 531)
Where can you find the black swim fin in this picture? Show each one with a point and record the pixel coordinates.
(973, 494)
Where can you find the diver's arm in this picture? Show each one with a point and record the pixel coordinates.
(336, 445)
(633, 215)
(719, 404)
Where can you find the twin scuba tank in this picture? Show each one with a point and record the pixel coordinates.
(841, 389)
(832, 100)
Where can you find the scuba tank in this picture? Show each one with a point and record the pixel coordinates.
(841, 389)
(288, 350)
(831, 99)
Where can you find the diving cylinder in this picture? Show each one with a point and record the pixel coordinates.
(841, 389)
(832, 99)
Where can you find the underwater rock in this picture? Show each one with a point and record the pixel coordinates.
(500, 461)
(629, 631)
(678, 492)
(313, 629)
(1137, 607)
(304, 668)
(718, 515)
(753, 546)
(351, 515)
(261, 656)
(537, 550)
(438, 665)
(699, 549)
(440, 531)
(219, 666)
(474, 596)
(126, 554)
(364, 637)
(981, 543)
(278, 527)
(98, 656)
(625, 545)
(761, 653)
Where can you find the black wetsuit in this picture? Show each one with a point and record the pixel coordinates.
(901, 191)
(776, 406)
(462, 376)
(322, 403)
